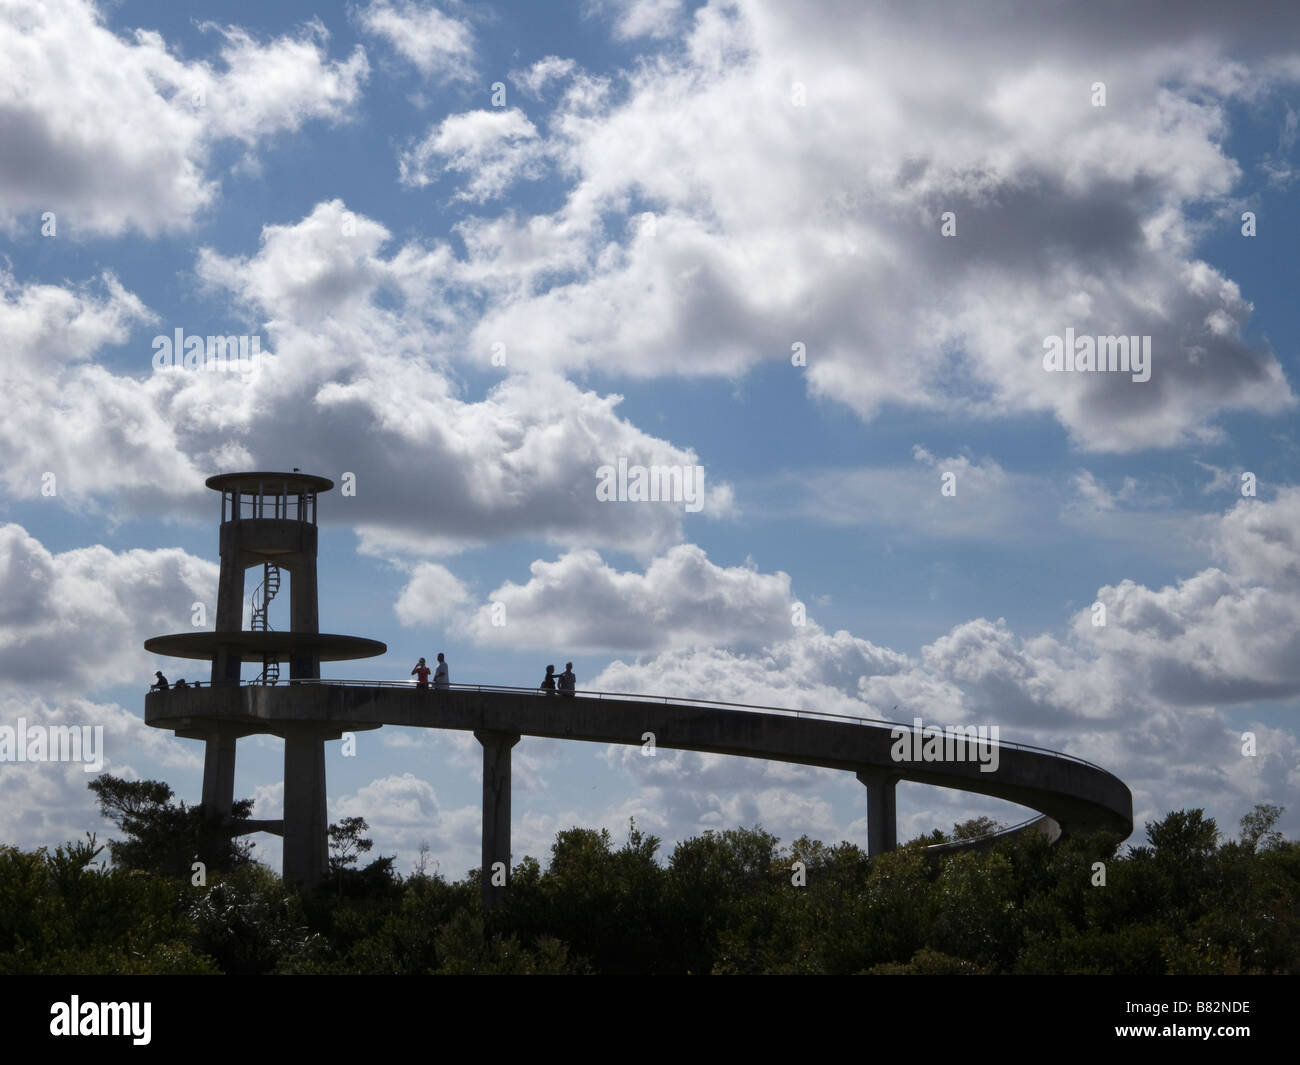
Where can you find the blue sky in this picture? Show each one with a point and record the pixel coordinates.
(643, 205)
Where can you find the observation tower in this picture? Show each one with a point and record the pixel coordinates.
(268, 520)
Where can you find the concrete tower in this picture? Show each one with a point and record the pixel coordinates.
(267, 520)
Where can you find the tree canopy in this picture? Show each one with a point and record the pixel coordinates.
(733, 901)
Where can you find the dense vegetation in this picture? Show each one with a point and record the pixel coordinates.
(727, 902)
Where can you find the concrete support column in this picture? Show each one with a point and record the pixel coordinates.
(230, 603)
(230, 583)
(306, 825)
(218, 777)
(304, 606)
(882, 814)
(496, 809)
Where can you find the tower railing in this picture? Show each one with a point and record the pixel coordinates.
(268, 501)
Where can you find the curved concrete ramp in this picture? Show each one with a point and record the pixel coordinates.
(1040, 825)
(1073, 795)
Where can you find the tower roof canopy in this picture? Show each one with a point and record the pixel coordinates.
(272, 482)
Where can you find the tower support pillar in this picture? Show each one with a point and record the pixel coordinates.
(218, 776)
(306, 825)
(882, 814)
(496, 813)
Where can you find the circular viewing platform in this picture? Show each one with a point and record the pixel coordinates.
(327, 646)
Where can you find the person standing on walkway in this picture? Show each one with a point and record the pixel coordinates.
(441, 678)
(566, 681)
(548, 681)
(421, 672)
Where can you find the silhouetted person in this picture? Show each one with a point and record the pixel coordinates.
(441, 678)
(566, 681)
(548, 681)
(180, 683)
(421, 672)
(160, 685)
